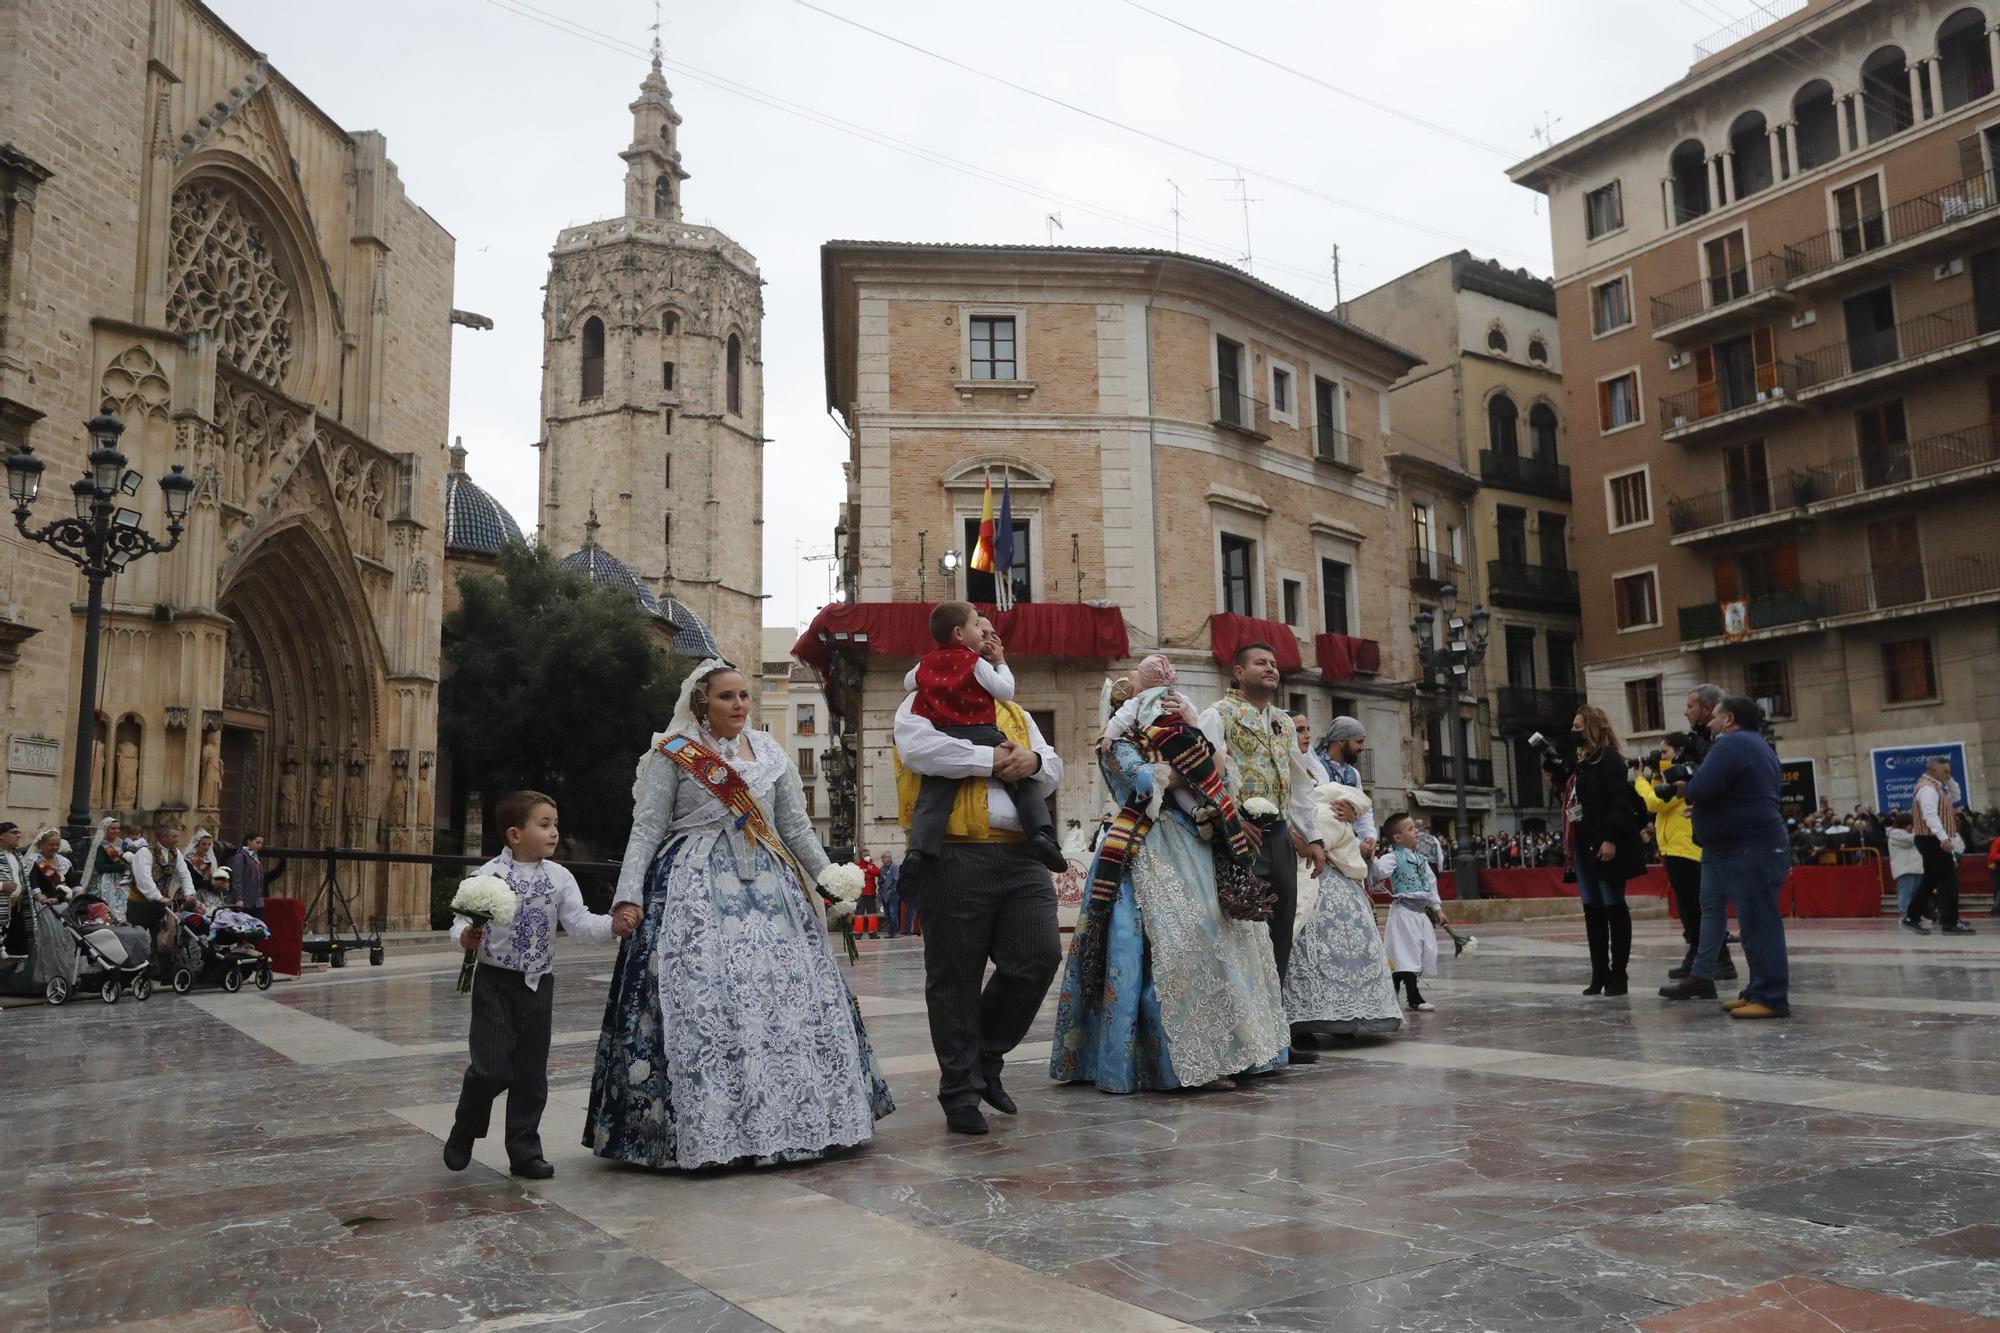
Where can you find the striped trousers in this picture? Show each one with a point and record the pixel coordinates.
(510, 1054)
(984, 901)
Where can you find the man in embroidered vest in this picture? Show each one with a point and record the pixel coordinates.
(1934, 819)
(985, 898)
(1264, 761)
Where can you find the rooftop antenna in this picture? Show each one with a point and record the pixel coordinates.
(1052, 224)
(1175, 209)
(1339, 306)
(656, 29)
(1545, 135)
(1243, 198)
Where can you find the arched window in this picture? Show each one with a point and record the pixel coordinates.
(1688, 170)
(1885, 93)
(663, 196)
(1816, 125)
(670, 323)
(1750, 154)
(593, 358)
(1538, 351)
(1496, 341)
(1503, 425)
(1542, 431)
(733, 375)
(1965, 61)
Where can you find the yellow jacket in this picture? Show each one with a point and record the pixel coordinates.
(968, 811)
(1672, 829)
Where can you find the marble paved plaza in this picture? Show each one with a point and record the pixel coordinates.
(1521, 1159)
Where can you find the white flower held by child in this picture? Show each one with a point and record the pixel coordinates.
(482, 899)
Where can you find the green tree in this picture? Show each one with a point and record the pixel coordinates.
(556, 684)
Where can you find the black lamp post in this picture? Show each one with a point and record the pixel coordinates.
(1447, 669)
(100, 539)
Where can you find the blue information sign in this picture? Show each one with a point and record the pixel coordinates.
(1898, 767)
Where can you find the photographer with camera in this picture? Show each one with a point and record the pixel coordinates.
(1745, 859)
(1702, 701)
(1662, 785)
(1601, 819)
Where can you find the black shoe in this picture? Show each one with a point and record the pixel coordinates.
(1044, 848)
(1692, 988)
(458, 1151)
(996, 1097)
(1300, 1057)
(1731, 937)
(535, 1168)
(1304, 1040)
(1677, 973)
(1616, 984)
(1917, 926)
(1596, 986)
(1958, 928)
(965, 1120)
(1724, 971)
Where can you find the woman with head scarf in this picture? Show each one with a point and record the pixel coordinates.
(730, 1037)
(106, 874)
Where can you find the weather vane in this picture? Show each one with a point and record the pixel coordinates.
(656, 29)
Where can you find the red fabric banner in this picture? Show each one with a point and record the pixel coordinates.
(1069, 630)
(1227, 634)
(287, 919)
(1342, 657)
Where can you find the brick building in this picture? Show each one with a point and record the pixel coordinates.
(1481, 444)
(188, 241)
(1195, 459)
(791, 706)
(1780, 306)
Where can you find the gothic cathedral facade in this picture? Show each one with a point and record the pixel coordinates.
(653, 394)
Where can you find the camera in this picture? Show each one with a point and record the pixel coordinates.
(1651, 759)
(1543, 746)
(1554, 761)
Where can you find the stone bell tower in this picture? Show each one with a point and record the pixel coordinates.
(653, 393)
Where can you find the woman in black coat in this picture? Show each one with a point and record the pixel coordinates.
(1603, 816)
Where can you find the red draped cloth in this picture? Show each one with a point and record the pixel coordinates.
(1227, 634)
(1342, 657)
(1069, 630)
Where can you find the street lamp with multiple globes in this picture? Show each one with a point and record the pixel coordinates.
(1447, 670)
(101, 539)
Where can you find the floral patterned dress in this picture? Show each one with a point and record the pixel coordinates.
(729, 1035)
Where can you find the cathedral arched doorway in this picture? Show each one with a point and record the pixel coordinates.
(300, 715)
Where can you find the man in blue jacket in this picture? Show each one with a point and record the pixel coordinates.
(1745, 858)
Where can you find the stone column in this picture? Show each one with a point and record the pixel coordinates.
(1725, 171)
(1846, 113)
(1934, 71)
(1787, 150)
(1993, 48)
(1916, 72)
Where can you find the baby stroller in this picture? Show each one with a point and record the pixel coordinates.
(41, 957)
(109, 960)
(222, 950)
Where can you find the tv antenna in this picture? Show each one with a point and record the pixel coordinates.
(1545, 135)
(1175, 210)
(1243, 197)
(1052, 224)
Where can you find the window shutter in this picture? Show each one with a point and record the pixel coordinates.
(1785, 563)
(1971, 161)
(1704, 376)
(1764, 352)
(1725, 578)
(1604, 405)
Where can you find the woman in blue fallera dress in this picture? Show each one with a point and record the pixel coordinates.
(1190, 996)
(730, 1036)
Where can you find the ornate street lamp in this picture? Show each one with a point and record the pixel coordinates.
(101, 540)
(1447, 671)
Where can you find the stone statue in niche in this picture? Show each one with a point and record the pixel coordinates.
(125, 779)
(211, 770)
(424, 761)
(97, 775)
(399, 797)
(289, 808)
(353, 802)
(322, 801)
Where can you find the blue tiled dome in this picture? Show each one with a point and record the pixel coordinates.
(608, 571)
(474, 522)
(691, 637)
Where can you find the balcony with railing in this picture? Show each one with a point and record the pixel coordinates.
(1721, 302)
(1722, 404)
(1932, 222)
(1894, 471)
(1531, 476)
(1433, 569)
(1527, 587)
(1907, 589)
(1724, 513)
(1782, 609)
(1333, 446)
(1865, 360)
(1523, 708)
(1441, 770)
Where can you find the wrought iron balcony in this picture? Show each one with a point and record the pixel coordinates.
(1769, 610)
(1894, 470)
(1524, 708)
(1441, 770)
(1923, 341)
(1711, 406)
(1935, 219)
(1531, 476)
(1531, 587)
(1910, 587)
(1430, 568)
(1729, 510)
(1723, 300)
(1333, 446)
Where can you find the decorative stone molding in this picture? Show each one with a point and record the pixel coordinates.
(226, 281)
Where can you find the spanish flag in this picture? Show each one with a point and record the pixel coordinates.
(982, 554)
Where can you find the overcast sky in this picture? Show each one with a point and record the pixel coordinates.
(507, 127)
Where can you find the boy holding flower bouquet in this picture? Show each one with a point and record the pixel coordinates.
(513, 991)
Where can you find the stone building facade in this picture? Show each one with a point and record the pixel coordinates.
(791, 706)
(188, 242)
(1481, 472)
(1779, 297)
(1191, 453)
(653, 395)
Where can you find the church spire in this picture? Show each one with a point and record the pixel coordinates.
(653, 172)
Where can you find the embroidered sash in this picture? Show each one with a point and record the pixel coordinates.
(726, 785)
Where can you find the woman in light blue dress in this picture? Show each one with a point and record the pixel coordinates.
(1190, 996)
(730, 1036)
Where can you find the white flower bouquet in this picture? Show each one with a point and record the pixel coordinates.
(1260, 811)
(482, 900)
(840, 887)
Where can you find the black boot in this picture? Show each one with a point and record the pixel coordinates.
(1686, 969)
(1597, 930)
(1620, 920)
